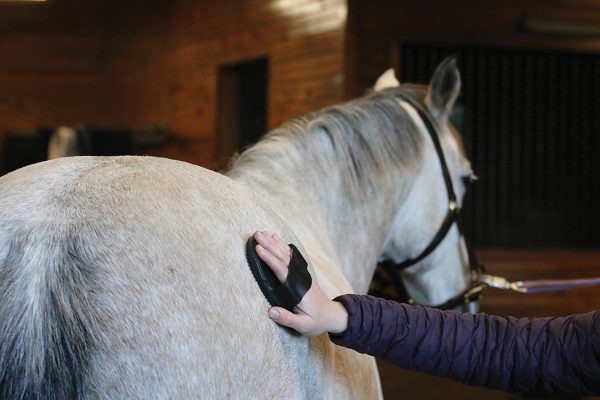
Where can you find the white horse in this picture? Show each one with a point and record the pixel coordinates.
(125, 277)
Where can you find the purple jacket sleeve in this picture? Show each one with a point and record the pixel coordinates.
(534, 356)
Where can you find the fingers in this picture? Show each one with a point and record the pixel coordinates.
(277, 266)
(274, 252)
(275, 245)
(298, 322)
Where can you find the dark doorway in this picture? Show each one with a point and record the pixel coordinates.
(242, 107)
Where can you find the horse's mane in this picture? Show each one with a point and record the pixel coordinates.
(362, 139)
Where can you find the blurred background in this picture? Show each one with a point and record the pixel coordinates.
(200, 80)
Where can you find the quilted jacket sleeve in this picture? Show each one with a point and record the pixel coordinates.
(534, 356)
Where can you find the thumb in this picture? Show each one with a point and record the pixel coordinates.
(298, 322)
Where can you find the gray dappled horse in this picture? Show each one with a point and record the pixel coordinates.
(125, 277)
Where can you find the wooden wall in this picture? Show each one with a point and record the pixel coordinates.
(162, 62)
(141, 63)
(376, 29)
(48, 65)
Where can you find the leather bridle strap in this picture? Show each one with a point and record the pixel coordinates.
(392, 269)
(453, 208)
(449, 220)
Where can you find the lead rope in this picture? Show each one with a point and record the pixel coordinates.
(537, 285)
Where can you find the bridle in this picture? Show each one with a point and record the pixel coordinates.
(479, 279)
(392, 269)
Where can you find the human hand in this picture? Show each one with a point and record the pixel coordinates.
(316, 313)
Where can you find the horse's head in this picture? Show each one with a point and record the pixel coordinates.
(425, 239)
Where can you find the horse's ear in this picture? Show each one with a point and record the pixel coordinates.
(386, 80)
(444, 88)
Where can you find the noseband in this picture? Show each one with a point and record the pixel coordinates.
(392, 269)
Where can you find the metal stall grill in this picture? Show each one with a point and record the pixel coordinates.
(531, 125)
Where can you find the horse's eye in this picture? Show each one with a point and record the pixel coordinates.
(468, 180)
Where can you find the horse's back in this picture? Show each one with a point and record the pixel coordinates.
(139, 264)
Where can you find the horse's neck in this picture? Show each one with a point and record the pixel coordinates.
(333, 227)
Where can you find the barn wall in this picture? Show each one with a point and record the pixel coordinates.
(48, 65)
(378, 27)
(178, 47)
(155, 62)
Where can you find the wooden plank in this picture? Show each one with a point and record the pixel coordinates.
(138, 63)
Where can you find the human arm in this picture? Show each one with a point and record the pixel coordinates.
(526, 355)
